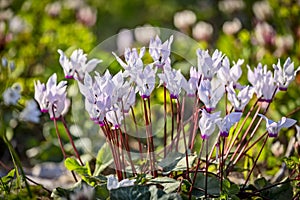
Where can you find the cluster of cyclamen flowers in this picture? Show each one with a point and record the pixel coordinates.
(108, 97)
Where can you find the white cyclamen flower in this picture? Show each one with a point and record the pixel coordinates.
(227, 122)
(12, 95)
(209, 65)
(207, 123)
(227, 74)
(210, 93)
(113, 183)
(31, 112)
(52, 97)
(240, 100)
(145, 81)
(284, 75)
(133, 64)
(99, 97)
(115, 117)
(273, 128)
(77, 65)
(192, 84)
(173, 80)
(160, 52)
(263, 82)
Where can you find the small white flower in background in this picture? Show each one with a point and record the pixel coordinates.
(264, 34)
(4, 62)
(273, 128)
(124, 40)
(262, 10)
(113, 183)
(210, 93)
(240, 100)
(160, 52)
(87, 15)
(284, 75)
(17, 24)
(227, 122)
(85, 192)
(184, 19)
(207, 123)
(232, 27)
(230, 6)
(52, 97)
(144, 33)
(209, 65)
(12, 95)
(203, 31)
(227, 74)
(77, 65)
(173, 80)
(31, 112)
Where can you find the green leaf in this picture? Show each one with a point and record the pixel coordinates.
(213, 185)
(5, 180)
(176, 161)
(260, 183)
(132, 192)
(83, 171)
(101, 192)
(169, 184)
(72, 165)
(282, 191)
(10, 176)
(104, 159)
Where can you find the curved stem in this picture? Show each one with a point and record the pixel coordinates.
(71, 140)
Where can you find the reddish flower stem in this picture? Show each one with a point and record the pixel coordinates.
(71, 140)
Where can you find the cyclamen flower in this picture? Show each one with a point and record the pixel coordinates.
(209, 65)
(30, 113)
(52, 97)
(145, 81)
(115, 117)
(160, 52)
(210, 93)
(227, 74)
(173, 81)
(227, 122)
(98, 98)
(113, 183)
(240, 100)
(134, 64)
(263, 82)
(12, 95)
(77, 65)
(273, 128)
(192, 84)
(207, 123)
(284, 75)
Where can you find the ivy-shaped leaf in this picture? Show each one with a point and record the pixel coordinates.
(104, 159)
(176, 161)
(169, 184)
(83, 171)
(213, 185)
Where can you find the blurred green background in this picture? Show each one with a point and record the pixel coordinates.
(31, 31)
